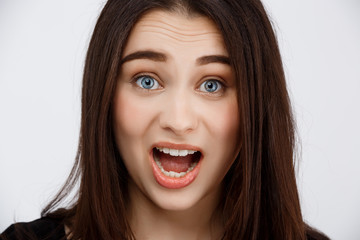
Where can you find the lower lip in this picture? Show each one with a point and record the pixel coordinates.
(173, 183)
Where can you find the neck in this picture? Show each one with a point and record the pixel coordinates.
(149, 221)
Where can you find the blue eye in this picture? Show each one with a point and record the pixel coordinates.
(210, 86)
(147, 82)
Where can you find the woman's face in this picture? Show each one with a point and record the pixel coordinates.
(175, 110)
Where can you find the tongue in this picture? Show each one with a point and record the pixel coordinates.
(175, 164)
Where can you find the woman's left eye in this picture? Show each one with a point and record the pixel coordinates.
(147, 82)
(211, 86)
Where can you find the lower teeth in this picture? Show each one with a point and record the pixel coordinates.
(172, 173)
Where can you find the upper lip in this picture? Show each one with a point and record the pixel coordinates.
(176, 146)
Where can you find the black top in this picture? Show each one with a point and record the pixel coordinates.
(43, 228)
(50, 229)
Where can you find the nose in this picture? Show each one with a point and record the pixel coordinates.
(179, 114)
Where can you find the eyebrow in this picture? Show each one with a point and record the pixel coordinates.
(161, 57)
(151, 55)
(213, 59)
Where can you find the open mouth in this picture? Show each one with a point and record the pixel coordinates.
(175, 168)
(175, 163)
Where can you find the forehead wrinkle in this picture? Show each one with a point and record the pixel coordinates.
(179, 28)
(176, 31)
(180, 32)
(181, 38)
(176, 27)
(164, 19)
(171, 31)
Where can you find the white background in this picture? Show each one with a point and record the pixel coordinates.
(42, 49)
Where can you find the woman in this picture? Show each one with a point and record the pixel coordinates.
(186, 129)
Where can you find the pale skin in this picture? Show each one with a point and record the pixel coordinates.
(176, 86)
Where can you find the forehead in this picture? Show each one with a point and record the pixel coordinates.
(163, 29)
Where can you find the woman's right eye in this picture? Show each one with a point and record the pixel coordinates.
(147, 82)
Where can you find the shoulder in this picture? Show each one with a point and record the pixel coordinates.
(43, 228)
(313, 234)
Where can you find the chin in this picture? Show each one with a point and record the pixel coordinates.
(176, 201)
(197, 194)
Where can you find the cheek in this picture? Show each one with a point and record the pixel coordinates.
(223, 122)
(131, 122)
(131, 115)
(223, 126)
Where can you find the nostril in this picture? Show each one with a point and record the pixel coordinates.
(179, 124)
(178, 113)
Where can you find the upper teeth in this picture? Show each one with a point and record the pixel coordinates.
(175, 152)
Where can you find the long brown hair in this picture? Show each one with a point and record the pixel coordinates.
(260, 194)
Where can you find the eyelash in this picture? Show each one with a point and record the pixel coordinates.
(145, 75)
(218, 91)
